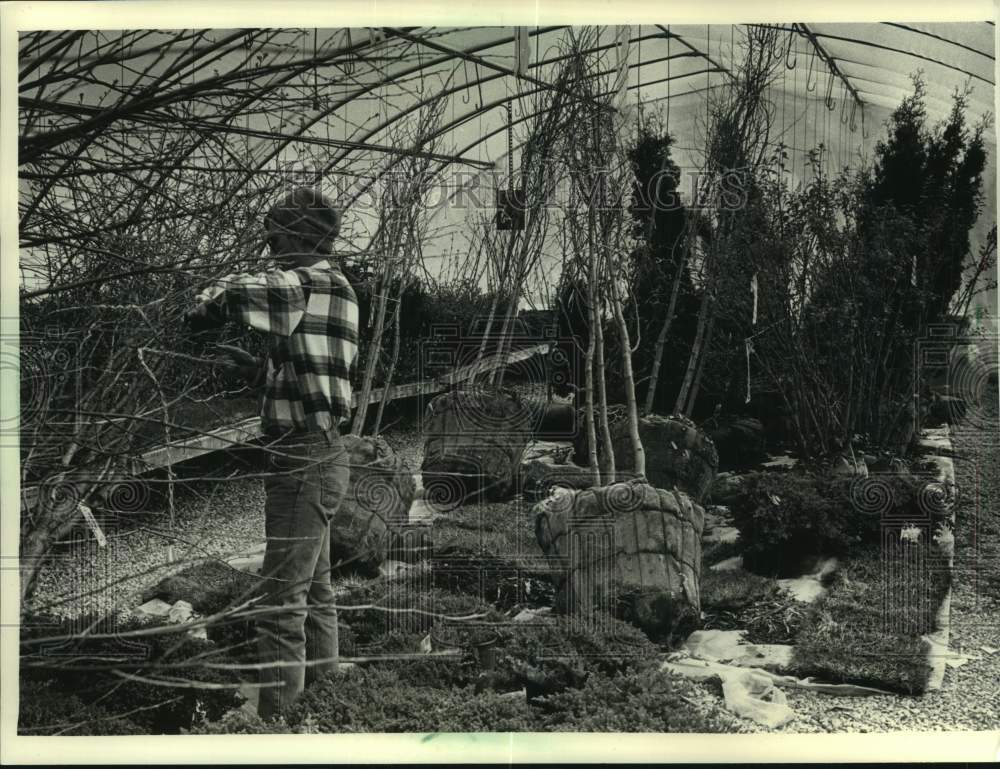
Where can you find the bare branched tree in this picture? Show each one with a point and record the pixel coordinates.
(737, 136)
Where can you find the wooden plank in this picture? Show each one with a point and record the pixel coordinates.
(221, 438)
(462, 373)
(248, 430)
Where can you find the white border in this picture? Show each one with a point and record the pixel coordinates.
(519, 748)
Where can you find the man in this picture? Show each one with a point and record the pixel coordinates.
(310, 312)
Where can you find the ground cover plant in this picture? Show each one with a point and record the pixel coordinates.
(867, 629)
(735, 599)
(375, 700)
(153, 683)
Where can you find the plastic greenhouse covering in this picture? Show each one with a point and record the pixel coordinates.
(175, 126)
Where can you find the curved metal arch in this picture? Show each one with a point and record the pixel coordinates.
(125, 51)
(163, 176)
(495, 132)
(484, 108)
(296, 68)
(293, 70)
(869, 44)
(235, 112)
(87, 140)
(290, 71)
(494, 105)
(666, 34)
(280, 146)
(707, 54)
(915, 31)
(866, 87)
(284, 73)
(479, 80)
(890, 49)
(486, 137)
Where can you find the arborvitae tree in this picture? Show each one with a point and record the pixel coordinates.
(933, 176)
(899, 262)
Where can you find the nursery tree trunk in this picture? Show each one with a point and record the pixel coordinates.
(53, 521)
(589, 373)
(486, 332)
(392, 363)
(639, 465)
(373, 353)
(503, 268)
(661, 339)
(607, 458)
(505, 334)
(689, 407)
(696, 349)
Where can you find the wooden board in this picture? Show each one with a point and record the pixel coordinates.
(248, 430)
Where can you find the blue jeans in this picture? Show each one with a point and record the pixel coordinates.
(308, 478)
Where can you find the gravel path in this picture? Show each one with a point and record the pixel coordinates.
(212, 519)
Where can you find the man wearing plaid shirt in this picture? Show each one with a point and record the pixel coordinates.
(310, 312)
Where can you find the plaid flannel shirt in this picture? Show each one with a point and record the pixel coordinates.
(311, 315)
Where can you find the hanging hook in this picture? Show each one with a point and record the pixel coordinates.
(349, 64)
(788, 52)
(466, 96)
(479, 84)
(843, 107)
(854, 109)
(812, 63)
(864, 128)
(510, 150)
(829, 93)
(316, 104)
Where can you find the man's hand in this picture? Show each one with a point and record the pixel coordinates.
(238, 355)
(195, 314)
(249, 367)
(203, 317)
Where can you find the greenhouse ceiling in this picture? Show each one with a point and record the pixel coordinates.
(152, 117)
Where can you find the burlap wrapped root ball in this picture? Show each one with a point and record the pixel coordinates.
(627, 549)
(678, 453)
(540, 475)
(473, 443)
(378, 500)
